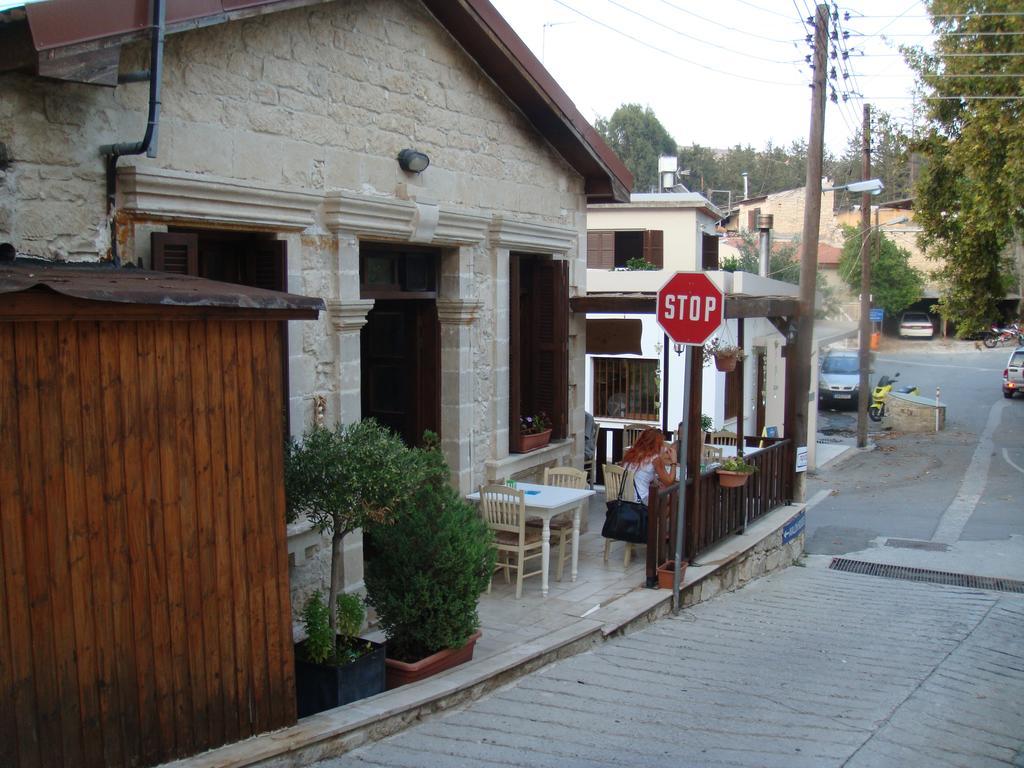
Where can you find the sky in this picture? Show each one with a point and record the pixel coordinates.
(723, 72)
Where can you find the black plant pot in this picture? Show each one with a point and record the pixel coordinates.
(321, 686)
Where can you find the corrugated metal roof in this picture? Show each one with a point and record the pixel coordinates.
(129, 285)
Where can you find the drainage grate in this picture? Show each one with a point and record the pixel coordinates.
(921, 574)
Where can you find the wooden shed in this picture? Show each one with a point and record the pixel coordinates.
(144, 602)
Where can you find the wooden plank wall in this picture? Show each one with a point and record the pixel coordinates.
(144, 603)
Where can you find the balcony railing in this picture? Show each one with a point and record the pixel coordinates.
(714, 513)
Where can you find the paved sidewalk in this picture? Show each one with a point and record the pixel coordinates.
(807, 667)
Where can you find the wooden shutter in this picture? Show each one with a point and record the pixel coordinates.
(600, 250)
(265, 266)
(515, 392)
(176, 252)
(733, 393)
(708, 251)
(549, 359)
(654, 247)
(752, 219)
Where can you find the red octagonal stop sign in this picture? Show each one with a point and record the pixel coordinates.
(690, 307)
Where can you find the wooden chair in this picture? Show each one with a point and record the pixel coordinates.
(723, 437)
(561, 526)
(504, 510)
(590, 465)
(614, 478)
(710, 454)
(630, 433)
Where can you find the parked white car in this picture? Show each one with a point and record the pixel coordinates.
(916, 325)
(1013, 374)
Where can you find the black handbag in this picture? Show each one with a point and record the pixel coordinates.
(626, 520)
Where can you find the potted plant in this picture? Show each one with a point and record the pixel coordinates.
(424, 574)
(534, 432)
(335, 669)
(343, 479)
(734, 472)
(725, 354)
(667, 569)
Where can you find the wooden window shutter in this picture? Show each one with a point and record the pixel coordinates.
(549, 359)
(654, 247)
(515, 394)
(600, 250)
(175, 252)
(752, 219)
(733, 395)
(708, 251)
(265, 266)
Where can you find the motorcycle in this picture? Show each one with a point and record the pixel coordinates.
(996, 336)
(879, 395)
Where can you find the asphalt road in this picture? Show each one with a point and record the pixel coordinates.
(961, 489)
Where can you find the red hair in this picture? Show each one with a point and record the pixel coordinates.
(646, 447)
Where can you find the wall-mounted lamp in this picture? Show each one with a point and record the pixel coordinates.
(412, 161)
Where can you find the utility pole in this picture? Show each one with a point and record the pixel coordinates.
(799, 359)
(863, 395)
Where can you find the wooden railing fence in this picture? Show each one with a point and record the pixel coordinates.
(713, 513)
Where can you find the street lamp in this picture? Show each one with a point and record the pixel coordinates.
(864, 355)
(868, 186)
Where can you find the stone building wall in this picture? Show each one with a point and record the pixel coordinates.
(290, 124)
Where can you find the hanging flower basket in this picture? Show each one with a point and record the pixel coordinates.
(726, 362)
(734, 472)
(725, 353)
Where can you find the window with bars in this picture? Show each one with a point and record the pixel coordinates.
(627, 388)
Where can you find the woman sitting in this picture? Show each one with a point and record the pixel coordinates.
(647, 459)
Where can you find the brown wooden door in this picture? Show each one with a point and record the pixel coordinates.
(401, 367)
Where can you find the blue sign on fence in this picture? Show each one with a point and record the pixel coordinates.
(877, 315)
(793, 528)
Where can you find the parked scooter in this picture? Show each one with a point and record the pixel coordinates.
(880, 394)
(1010, 334)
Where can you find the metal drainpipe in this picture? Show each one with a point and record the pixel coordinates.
(149, 141)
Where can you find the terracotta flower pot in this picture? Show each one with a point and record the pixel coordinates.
(728, 479)
(402, 673)
(667, 569)
(532, 442)
(726, 363)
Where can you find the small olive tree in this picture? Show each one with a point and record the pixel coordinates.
(342, 479)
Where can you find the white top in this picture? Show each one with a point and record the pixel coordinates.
(643, 476)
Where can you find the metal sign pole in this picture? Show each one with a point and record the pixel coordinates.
(681, 508)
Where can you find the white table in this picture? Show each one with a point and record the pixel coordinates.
(546, 501)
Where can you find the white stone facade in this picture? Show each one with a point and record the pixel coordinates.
(290, 123)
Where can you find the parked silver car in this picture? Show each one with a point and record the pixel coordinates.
(839, 378)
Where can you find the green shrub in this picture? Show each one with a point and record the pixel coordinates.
(424, 573)
(319, 645)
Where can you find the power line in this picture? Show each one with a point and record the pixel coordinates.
(720, 25)
(670, 53)
(963, 97)
(765, 10)
(693, 37)
(850, 17)
(936, 55)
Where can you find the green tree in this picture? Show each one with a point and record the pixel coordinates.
(969, 199)
(895, 285)
(344, 479)
(890, 158)
(639, 139)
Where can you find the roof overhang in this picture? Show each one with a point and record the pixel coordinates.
(104, 283)
(81, 42)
